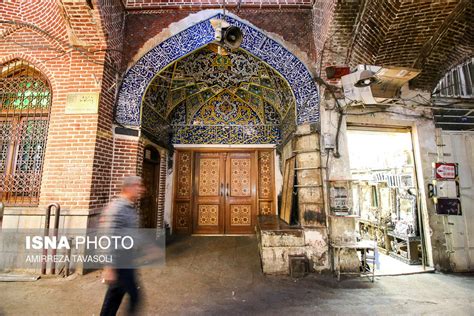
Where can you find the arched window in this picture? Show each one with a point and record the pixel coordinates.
(25, 102)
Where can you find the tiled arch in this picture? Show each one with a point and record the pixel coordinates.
(139, 76)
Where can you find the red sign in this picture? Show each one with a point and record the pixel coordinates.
(446, 171)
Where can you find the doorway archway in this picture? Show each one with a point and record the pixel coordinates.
(204, 113)
(195, 32)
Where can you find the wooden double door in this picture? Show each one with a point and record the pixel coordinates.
(224, 193)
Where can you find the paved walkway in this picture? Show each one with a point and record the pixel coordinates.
(221, 276)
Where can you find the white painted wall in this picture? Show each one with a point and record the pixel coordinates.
(168, 217)
(278, 175)
(459, 147)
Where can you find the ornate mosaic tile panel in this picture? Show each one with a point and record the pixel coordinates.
(288, 125)
(214, 91)
(226, 135)
(139, 77)
(240, 215)
(155, 124)
(225, 109)
(208, 215)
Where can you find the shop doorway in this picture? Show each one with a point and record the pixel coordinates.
(386, 197)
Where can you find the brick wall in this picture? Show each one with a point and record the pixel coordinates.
(127, 160)
(339, 33)
(67, 41)
(322, 18)
(297, 28)
(206, 4)
(113, 19)
(451, 45)
(428, 35)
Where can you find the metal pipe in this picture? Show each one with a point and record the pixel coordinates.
(68, 254)
(57, 213)
(45, 233)
(422, 230)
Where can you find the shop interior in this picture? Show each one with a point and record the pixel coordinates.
(385, 198)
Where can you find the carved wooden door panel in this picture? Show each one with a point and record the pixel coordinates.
(148, 203)
(208, 208)
(240, 199)
(183, 192)
(222, 192)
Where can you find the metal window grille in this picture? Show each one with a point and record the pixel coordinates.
(25, 103)
(458, 81)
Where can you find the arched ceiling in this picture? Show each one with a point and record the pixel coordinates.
(202, 94)
(429, 35)
(206, 76)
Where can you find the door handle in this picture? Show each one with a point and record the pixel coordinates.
(222, 189)
(227, 189)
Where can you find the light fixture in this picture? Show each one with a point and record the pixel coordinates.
(366, 78)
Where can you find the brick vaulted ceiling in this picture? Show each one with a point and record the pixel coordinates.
(432, 35)
(428, 35)
(206, 4)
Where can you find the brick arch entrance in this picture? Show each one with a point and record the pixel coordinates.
(195, 32)
(189, 36)
(210, 99)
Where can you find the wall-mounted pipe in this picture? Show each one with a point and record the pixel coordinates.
(46, 233)
(68, 254)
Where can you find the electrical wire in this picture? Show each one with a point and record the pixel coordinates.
(342, 112)
(389, 111)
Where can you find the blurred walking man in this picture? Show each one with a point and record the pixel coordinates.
(121, 214)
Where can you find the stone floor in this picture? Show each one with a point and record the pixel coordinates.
(392, 266)
(221, 276)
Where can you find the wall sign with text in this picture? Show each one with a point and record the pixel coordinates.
(82, 103)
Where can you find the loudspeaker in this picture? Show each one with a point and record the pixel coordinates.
(366, 78)
(232, 37)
